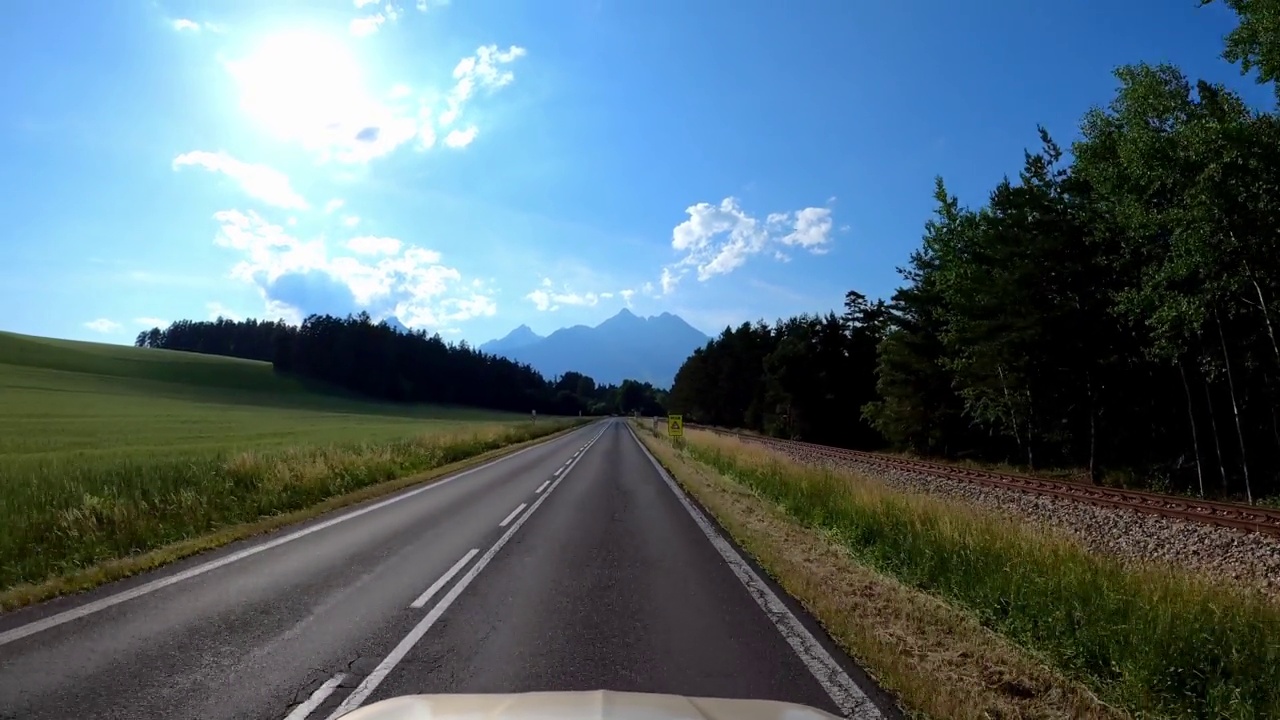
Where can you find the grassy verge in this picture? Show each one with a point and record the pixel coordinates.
(1156, 643)
(147, 515)
(938, 660)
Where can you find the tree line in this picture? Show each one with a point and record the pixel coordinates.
(805, 377)
(380, 362)
(1111, 308)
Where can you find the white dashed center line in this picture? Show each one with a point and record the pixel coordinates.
(512, 516)
(444, 579)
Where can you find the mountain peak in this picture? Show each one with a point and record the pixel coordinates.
(624, 318)
(518, 338)
(622, 347)
(394, 323)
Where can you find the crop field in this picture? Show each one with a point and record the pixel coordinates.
(108, 451)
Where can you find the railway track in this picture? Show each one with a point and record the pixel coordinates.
(1233, 515)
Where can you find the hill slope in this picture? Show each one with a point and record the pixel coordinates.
(623, 347)
(61, 388)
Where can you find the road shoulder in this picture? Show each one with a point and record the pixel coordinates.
(936, 659)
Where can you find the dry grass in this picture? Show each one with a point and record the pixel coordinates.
(937, 659)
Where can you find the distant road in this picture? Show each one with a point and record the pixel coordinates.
(570, 565)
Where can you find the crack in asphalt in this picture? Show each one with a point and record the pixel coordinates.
(315, 678)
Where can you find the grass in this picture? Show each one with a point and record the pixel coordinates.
(1156, 642)
(110, 452)
(936, 658)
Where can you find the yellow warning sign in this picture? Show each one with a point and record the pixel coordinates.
(675, 425)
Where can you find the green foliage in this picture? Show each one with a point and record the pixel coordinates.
(1156, 643)
(1255, 42)
(806, 377)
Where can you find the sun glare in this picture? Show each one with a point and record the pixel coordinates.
(301, 85)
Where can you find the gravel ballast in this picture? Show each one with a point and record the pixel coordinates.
(1251, 559)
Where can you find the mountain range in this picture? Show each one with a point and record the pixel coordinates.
(623, 347)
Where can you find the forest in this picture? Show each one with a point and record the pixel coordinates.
(377, 361)
(1111, 309)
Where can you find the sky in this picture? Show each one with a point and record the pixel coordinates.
(472, 165)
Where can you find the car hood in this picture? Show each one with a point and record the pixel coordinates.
(594, 705)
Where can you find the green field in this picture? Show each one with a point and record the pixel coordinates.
(108, 451)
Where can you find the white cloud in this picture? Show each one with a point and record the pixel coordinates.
(626, 296)
(587, 299)
(269, 251)
(459, 309)
(334, 204)
(546, 299)
(461, 138)
(426, 133)
(484, 70)
(103, 325)
(541, 299)
(370, 24)
(264, 183)
(351, 220)
(606, 296)
(668, 281)
(218, 310)
(422, 4)
(811, 230)
(150, 322)
(311, 90)
(372, 245)
(188, 25)
(717, 239)
(385, 275)
(367, 25)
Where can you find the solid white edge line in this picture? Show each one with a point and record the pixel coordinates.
(384, 668)
(317, 698)
(89, 608)
(844, 692)
(444, 579)
(542, 487)
(512, 515)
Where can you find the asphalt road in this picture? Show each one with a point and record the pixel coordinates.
(571, 565)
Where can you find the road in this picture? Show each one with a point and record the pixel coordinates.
(571, 565)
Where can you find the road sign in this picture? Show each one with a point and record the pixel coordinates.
(675, 425)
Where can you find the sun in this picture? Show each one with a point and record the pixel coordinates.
(301, 85)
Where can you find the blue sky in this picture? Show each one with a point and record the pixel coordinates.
(473, 165)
